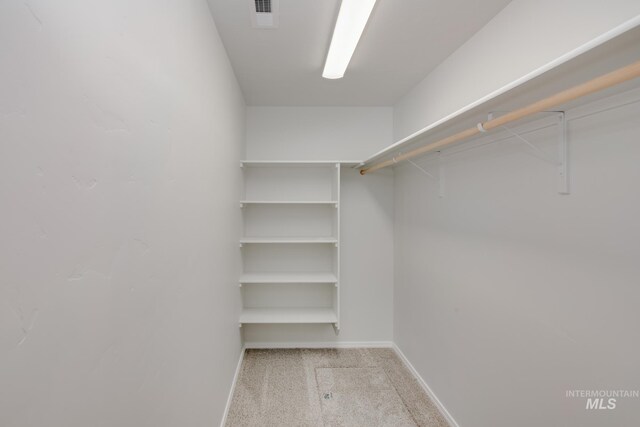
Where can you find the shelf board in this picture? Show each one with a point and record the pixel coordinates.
(288, 202)
(265, 278)
(583, 63)
(248, 240)
(297, 163)
(288, 315)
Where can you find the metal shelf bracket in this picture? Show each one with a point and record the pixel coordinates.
(562, 162)
(563, 143)
(439, 179)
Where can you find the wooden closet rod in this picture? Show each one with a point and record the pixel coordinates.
(613, 78)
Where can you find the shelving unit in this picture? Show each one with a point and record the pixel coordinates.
(291, 242)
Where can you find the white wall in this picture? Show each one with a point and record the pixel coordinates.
(508, 294)
(121, 125)
(317, 133)
(339, 133)
(524, 36)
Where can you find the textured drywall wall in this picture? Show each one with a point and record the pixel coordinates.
(121, 128)
(524, 36)
(507, 294)
(339, 133)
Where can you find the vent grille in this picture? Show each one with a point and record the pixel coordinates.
(263, 6)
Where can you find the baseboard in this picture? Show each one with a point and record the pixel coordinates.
(344, 344)
(426, 387)
(233, 387)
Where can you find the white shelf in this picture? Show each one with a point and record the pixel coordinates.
(296, 163)
(288, 315)
(605, 53)
(264, 278)
(288, 202)
(249, 240)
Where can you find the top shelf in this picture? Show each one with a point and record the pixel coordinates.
(609, 51)
(296, 163)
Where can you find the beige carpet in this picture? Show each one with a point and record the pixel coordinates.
(329, 388)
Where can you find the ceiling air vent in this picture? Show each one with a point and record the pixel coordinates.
(264, 13)
(263, 6)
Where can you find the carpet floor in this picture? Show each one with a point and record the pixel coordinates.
(329, 388)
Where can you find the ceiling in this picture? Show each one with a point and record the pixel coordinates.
(403, 41)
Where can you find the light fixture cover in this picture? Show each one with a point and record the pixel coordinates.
(352, 19)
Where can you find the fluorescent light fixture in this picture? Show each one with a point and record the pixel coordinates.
(352, 19)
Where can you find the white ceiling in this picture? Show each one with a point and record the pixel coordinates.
(403, 41)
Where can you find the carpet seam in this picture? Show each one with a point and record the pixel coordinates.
(315, 374)
(415, 421)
